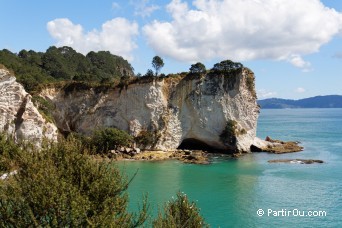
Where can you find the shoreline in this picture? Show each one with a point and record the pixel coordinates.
(189, 156)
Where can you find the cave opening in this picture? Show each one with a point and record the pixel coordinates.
(195, 144)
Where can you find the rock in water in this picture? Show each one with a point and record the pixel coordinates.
(296, 161)
(18, 116)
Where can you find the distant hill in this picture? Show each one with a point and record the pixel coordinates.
(330, 101)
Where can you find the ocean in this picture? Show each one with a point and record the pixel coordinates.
(249, 191)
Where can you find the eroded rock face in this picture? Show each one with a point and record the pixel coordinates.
(18, 116)
(175, 109)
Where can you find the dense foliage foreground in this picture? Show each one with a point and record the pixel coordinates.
(62, 186)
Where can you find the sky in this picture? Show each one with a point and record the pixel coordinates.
(294, 47)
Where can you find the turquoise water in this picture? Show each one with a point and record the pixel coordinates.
(229, 191)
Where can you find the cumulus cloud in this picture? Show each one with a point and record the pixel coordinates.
(142, 8)
(298, 61)
(116, 36)
(300, 90)
(244, 30)
(262, 94)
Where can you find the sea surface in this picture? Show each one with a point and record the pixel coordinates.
(230, 192)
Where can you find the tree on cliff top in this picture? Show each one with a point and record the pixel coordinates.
(226, 66)
(197, 68)
(157, 64)
(32, 69)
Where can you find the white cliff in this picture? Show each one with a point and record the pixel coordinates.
(18, 116)
(176, 109)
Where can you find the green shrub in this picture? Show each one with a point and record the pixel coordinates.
(197, 68)
(145, 138)
(8, 151)
(45, 108)
(226, 67)
(107, 139)
(180, 212)
(229, 133)
(242, 131)
(61, 186)
(250, 83)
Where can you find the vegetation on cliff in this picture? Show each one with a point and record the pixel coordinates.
(33, 69)
(97, 69)
(61, 186)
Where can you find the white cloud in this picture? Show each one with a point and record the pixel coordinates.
(298, 61)
(142, 8)
(262, 94)
(115, 6)
(300, 90)
(116, 36)
(244, 30)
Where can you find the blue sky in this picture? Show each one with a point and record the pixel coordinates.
(294, 47)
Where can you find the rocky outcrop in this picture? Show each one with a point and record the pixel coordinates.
(275, 146)
(215, 110)
(185, 156)
(18, 116)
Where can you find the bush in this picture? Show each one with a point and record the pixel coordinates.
(226, 67)
(45, 108)
(198, 68)
(228, 135)
(60, 186)
(145, 138)
(180, 212)
(8, 150)
(250, 83)
(107, 139)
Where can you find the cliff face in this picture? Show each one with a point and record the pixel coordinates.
(216, 111)
(18, 116)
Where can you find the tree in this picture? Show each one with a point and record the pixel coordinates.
(226, 66)
(149, 73)
(61, 186)
(197, 68)
(157, 64)
(180, 212)
(108, 138)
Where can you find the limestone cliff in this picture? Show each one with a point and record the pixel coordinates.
(18, 116)
(191, 109)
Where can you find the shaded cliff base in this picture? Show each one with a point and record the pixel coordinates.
(195, 154)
